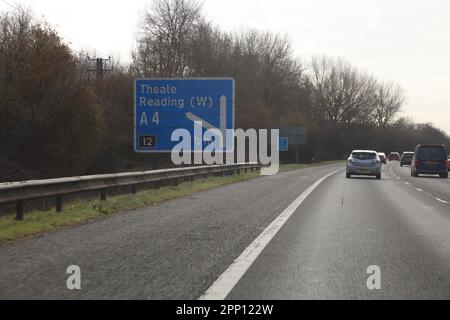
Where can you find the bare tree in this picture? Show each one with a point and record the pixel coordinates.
(342, 94)
(211, 52)
(163, 42)
(387, 102)
(328, 88)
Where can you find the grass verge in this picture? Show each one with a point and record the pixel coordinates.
(83, 211)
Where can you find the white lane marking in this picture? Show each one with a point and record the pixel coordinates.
(220, 289)
(420, 190)
(442, 201)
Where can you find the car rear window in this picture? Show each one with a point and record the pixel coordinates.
(431, 153)
(364, 155)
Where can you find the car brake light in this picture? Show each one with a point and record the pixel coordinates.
(417, 162)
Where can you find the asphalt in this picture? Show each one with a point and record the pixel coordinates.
(433, 184)
(171, 251)
(344, 227)
(176, 250)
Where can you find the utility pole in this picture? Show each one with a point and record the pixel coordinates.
(101, 66)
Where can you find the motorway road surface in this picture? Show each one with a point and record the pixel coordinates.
(177, 250)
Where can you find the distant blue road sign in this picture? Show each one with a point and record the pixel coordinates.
(283, 144)
(164, 105)
(296, 135)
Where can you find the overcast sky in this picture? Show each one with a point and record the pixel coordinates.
(403, 41)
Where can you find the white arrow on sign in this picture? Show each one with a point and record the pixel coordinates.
(223, 119)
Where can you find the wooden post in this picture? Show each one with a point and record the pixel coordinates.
(58, 203)
(19, 210)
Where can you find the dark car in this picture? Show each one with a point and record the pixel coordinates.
(406, 158)
(394, 156)
(382, 156)
(430, 159)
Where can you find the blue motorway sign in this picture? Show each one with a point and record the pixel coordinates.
(283, 144)
(164, 105)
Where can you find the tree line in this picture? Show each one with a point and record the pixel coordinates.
(57, 119)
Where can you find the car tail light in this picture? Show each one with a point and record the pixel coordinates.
(416, 163)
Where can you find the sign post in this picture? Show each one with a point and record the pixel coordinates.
(296, 136)
(165, 105)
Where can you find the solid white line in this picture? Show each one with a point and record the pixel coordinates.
(418, 189)
(220, 289)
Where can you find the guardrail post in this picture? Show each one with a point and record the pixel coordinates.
(133, 189)
(58, 202)
(176, 182)
(103, 195)
(252, 169)
(156, 185)
(19, 210)
(245, 170)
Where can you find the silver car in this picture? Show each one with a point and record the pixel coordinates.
(363, 162)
